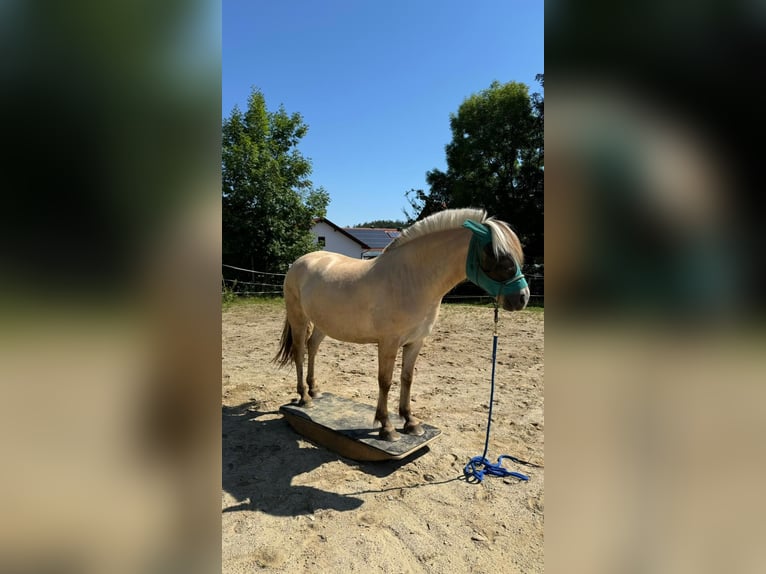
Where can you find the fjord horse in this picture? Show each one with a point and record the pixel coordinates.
(393, 300)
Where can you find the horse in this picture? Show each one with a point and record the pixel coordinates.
(393, 300)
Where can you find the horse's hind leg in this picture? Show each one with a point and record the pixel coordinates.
(386, 359)
(299, 325)
(409, 356)
(315, 340)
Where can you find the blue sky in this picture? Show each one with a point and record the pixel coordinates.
(376, 82)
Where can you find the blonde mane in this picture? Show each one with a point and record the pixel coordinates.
(504, 240)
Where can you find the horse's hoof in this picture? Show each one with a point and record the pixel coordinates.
(389, 435)
(414, 429)
(306, 403)
(315, 394)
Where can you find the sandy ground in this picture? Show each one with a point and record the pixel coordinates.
(291, 506)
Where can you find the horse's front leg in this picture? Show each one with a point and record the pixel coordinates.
(386, 359)
(409, 356)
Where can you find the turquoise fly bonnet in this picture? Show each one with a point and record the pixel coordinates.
(482, 236)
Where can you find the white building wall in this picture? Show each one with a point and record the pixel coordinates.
(336, 241)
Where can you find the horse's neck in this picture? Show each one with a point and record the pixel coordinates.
(436, 262)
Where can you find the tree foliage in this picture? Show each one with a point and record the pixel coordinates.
(269, 203)
(495, 161)
(383, 224)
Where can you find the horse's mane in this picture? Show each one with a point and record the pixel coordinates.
(504, 240)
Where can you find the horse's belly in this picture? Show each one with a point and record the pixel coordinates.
(345, 318)
(343, 322)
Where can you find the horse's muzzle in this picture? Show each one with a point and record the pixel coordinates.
(515, 301)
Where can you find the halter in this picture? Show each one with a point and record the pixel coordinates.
(482, 237)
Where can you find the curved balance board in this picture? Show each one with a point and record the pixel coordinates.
(345, 427)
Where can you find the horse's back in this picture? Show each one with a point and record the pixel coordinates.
(321, 277)
(325, 266)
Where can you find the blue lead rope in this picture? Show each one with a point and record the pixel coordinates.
(472, 470)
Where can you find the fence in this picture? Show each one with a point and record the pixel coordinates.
(468, 292)
(247, 282)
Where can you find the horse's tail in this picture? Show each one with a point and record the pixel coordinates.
(285, 353)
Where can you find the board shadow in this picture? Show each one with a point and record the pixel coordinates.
(261, 455)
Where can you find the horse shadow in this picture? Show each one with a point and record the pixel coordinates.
(260, 457)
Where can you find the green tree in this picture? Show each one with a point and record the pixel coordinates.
(383, 224)
(269, 204)
(495, 161)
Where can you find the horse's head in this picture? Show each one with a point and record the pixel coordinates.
(503, 269)
(494, 263)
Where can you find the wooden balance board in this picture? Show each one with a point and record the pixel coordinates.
(345, 427)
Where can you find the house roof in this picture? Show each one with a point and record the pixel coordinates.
(344, 231)
(374, 238)
(369, 238)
